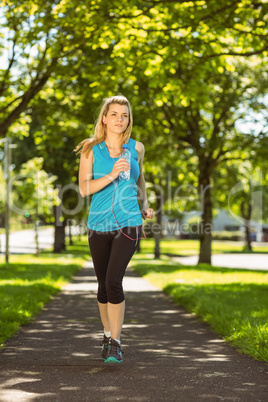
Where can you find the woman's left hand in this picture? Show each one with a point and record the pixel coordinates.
(148, 213)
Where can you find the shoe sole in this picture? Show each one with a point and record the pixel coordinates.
(112, 359)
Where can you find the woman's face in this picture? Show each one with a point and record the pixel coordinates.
(117, 118)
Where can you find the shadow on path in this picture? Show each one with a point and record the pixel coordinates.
(168, 355)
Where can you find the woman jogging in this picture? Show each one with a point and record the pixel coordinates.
(115, 219)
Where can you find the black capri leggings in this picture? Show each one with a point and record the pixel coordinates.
(111, 253)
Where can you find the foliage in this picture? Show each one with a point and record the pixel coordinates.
(211, 293)
(191, 102)
(191, 247)
(35, 191)
(2, 190)
(227, 235)
(190, 69)
(28, 283)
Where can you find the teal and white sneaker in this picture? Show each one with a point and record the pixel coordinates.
(104, 349)
(114, 352)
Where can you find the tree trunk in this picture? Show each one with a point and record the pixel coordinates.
(158, 231)
(138, 250)
(206, 213)
(70, 232)
(25, 99)
(248, 246)
(59, 232)
(246, 217)
(59, 239)
(37, 250)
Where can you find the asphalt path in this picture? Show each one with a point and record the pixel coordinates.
(230, 260)
(23, 241)
(168, 354)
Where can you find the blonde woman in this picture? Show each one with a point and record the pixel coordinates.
(115, 219)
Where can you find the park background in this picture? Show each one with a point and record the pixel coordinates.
(195, 73)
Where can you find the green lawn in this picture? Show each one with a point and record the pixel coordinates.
(28, 282)
(191, 247)
(234, 302)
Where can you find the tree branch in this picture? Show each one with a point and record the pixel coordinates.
(204, 18)
(251, 33)
(234, 148)
(245, 54)
(10, 103)
(216, 128)
(34, 88)
(230, 159)
(173, 1)
(4, 83)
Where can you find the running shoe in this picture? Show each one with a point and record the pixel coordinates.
(114, 352)
(104, 349)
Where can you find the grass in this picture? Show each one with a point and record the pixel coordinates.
(28, 282)
(191, 247)
(234, 302)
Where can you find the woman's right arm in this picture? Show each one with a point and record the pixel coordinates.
(87, 185)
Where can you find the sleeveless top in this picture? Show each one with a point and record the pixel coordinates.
(118, 200)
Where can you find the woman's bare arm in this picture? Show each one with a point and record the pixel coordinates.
(87, 185)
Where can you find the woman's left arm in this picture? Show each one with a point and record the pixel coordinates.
(146, 211)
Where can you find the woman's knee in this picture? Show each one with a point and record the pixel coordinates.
(102, 294)
(115, 294)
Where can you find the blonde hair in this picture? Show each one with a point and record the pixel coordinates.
(100, 128)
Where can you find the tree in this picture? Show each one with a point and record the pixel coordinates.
(40, 39)
(192, 90)
(239, 186)
(162, 53)
(2, 197)
(34, 193)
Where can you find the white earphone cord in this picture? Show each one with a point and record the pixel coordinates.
(137, 238)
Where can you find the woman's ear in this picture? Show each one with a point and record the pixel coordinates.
(104, 120)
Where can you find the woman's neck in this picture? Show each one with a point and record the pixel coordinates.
(113, 142)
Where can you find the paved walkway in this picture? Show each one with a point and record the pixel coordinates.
(23, 241)
(243, 261)
(168, 355)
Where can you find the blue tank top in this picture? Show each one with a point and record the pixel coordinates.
(118, 200)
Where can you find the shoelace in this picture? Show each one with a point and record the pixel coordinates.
(114, 347)
(104, 341)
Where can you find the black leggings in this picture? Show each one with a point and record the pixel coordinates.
(111, 253)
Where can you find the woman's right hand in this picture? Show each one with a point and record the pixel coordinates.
(120, 165)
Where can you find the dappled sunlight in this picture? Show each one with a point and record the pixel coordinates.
(61, 349)
(128, 326)
(215, 374)
(77, 287)
(232, 301)
(216, 341)
(166, 312)
(212, 359)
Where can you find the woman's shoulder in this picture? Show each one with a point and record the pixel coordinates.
(139, 147)
(98, 149)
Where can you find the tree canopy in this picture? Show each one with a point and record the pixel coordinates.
(191, 69)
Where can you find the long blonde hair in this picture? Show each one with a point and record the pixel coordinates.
(100, 128)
